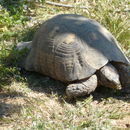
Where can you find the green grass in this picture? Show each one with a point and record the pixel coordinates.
(32, 101)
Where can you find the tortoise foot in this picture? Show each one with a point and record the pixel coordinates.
(108, 76)
(82, 88)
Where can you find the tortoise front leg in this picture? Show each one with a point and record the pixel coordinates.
(82, 88)
(108, 76)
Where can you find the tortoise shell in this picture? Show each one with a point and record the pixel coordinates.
(70, 47)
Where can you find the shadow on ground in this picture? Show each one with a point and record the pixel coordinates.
(8, 104)
(41, 83)
(14, 6)
(8, 109)
(47, 85)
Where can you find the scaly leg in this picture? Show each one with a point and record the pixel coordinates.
(82, 88)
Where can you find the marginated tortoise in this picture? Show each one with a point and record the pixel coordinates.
(78, 51)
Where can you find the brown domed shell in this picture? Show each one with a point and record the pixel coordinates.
(70, 47)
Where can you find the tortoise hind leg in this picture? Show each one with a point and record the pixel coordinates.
(26, 61)
(108, 76)
(82, 88)
(23, 45)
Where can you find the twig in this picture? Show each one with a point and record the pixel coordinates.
(64, 5)
(73, 6)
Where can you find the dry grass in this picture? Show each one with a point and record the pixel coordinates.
(28, 109)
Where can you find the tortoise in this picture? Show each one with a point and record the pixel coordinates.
(79, 52)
